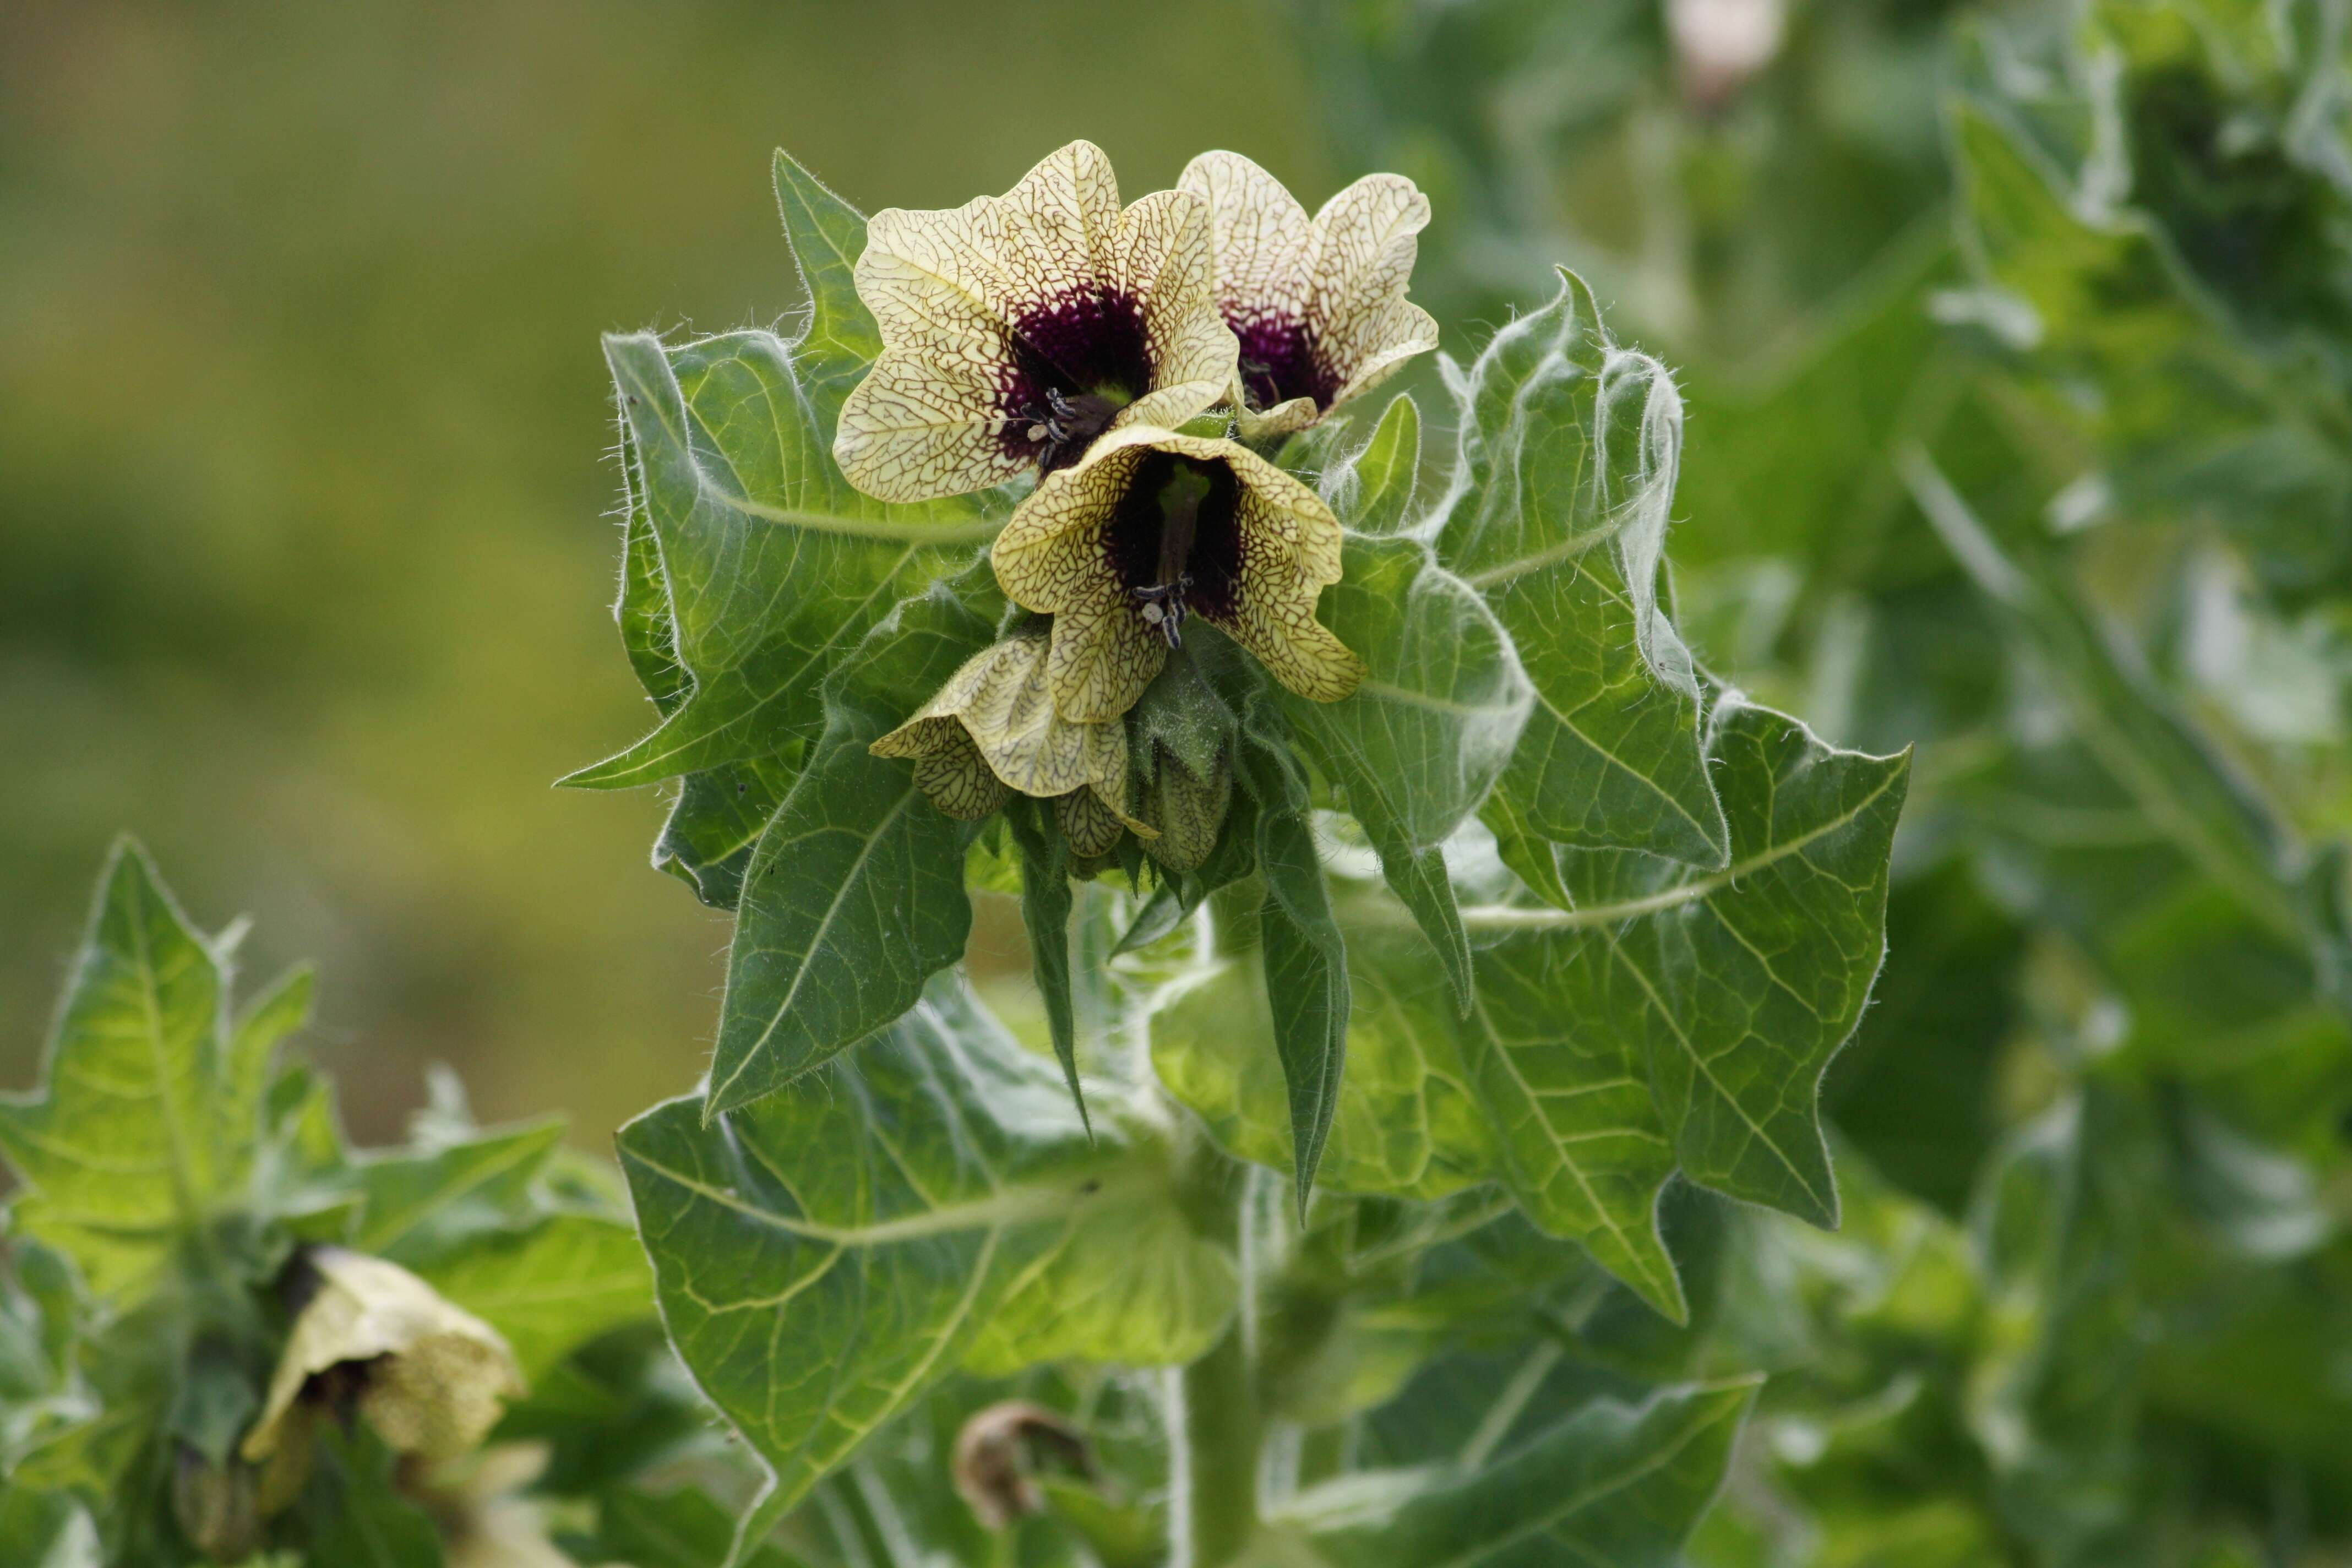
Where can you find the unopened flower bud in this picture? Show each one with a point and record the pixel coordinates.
(1190, 812)
(431, 1378)
(215, 1506)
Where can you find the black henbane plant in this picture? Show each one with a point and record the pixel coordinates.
(1420, 933)
(224, 1333)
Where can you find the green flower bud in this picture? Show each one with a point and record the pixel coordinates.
(215, 1506)
(1188, 811)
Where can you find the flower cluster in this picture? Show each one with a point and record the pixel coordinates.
(1053, 331)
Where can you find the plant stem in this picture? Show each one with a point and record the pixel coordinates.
(1220, 1433)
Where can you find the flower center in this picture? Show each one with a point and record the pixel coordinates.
(1279, 362)
(1076, 359)
(1175, 541)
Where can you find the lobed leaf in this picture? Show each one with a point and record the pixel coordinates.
(1555, 511)
(824, 1256)
(855, 896)
(1613, 1484)
(138, 1125)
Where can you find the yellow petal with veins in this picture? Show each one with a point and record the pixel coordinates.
(1338, 279)
(993, 726)
(954, 291)
(1052, 558)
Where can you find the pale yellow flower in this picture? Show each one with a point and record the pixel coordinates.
(1017, 328)
(992, 729)
(1318, 303)
(431, 1378)
(1151, 526)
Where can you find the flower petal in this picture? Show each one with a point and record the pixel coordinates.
(437, 1376)
(1400, 331)
(1262, 238)
(1163, 264)
(975, 302)
(958, 780)
(1029, 745)
(1319, 303)
(926, 421)
(1367, 239)
(1049, 557)
(1290, 553)
(1089, 823)
(1103, 658)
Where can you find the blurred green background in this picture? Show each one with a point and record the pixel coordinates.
(305, 458)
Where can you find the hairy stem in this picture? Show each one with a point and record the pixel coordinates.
(1219, 1430)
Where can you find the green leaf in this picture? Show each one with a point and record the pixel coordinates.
(648, 629)
(1046, 915)
(1305, 957)
(46, 1530)
(855, 897)
(824, 1256)
(551, 1288)
(827, 236)
(1407, 1123)
(421, 1203)
(354, 1512)
(2189, 794)
(266, 1022)
(1419, 745)
(776, 566)
(1557, 512)
(1558, 1071)
(681, 1529)
(128, 1143)
(1371, 488)
(1741, 983)
(1619, 1485)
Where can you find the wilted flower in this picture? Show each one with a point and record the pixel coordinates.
(1151, 526)
(998, 1452)
(1318, 303)
(992, 729)
(1017, 328)
(431, 1378)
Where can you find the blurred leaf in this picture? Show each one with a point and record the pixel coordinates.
(827, 1254)
(354, 1511)
(2217, 820)
(126, 1147)
(46, 1530)
(419, 1203)
(1616, 1485)
(680, 1529)
(550, 1287)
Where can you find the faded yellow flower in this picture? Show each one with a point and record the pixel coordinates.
(1017, 328)
(1151, 526)
(1318, 303)
(992, 729)
(431, 1378)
